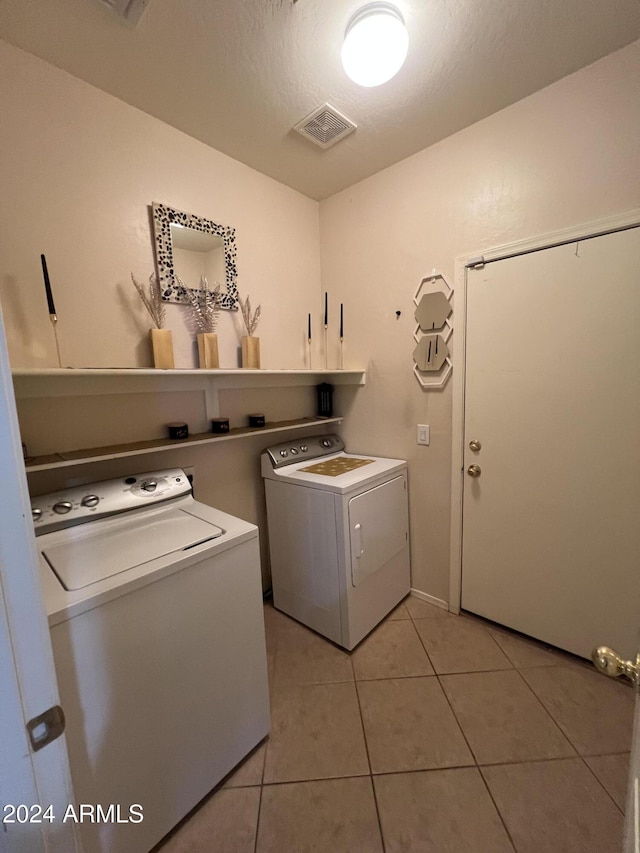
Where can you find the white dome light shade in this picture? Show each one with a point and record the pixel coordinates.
(375, 44)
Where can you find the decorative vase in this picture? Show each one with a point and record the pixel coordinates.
(251, 352)
(208, 350)
(162, 345)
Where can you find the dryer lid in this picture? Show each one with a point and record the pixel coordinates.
(83, 560)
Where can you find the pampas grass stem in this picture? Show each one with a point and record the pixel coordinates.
(250, 322)
(152, 300)
(204, 306)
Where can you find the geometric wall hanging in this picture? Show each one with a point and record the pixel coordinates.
(432, 360)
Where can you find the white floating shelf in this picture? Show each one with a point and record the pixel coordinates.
(348, 375)
(84, 382)
(137, 448)
(54, 382)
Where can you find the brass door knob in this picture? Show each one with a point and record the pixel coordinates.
(474, 470)
(610, 663)
(475, 445)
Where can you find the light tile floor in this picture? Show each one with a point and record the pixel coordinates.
(438, 734)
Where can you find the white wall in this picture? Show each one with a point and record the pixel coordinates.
(79, 170)
(564, 156)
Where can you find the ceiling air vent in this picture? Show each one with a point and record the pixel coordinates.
(325, 126)
(130, 10)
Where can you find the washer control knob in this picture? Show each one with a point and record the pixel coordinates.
(90, 501)
(63, 507)
(36, 513)
(303, 448)
(284, 453)
(326, 442)
(149, 485)
(294, 451)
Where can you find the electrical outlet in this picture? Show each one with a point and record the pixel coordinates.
(423, 434)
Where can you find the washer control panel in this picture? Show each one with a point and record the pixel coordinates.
(307, 448)
(109, 497)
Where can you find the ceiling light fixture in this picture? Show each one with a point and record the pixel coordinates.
(375, 44)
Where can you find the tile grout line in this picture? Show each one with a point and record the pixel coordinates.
(513, 668)
(255, 845)
(495, 805)
(270, 683)
(264, 765)
(458, 723)
(514, 763)
(595, 775)
(366, 747)
(578, 754)
(316, 779)
(375, 801)
(497, 645)
(444, 693)
(438, 769)
(433, 674)
(469, 747)
(563, 657)
(471, 752)
(548, 712)
(422, 643)
(562, 660)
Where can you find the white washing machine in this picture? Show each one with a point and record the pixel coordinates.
(155, 610)
(338, 535)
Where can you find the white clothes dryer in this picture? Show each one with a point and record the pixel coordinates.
(155, 612)
(338, 535)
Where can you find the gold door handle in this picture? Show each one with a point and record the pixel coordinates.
(610, 663)
(474, 470)
(475, 445)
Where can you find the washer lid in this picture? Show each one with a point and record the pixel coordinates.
(86, 559)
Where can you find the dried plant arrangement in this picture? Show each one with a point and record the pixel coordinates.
(250, 322)
(152, 300)
(204, 306)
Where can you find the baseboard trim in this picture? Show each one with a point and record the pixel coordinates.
(431, 599)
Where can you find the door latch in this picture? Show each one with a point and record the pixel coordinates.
(46, 728)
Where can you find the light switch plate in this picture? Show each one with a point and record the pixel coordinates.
(423, 436)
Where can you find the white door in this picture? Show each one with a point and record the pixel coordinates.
(550, 530)
(29, 781)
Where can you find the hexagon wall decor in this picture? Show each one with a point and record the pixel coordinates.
(432, 311)
(430, 353)
(432, 361)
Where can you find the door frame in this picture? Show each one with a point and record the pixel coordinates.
(627, 219)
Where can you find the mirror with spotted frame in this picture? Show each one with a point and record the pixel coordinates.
(189, 248)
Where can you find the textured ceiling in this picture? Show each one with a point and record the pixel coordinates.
(238, 74)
